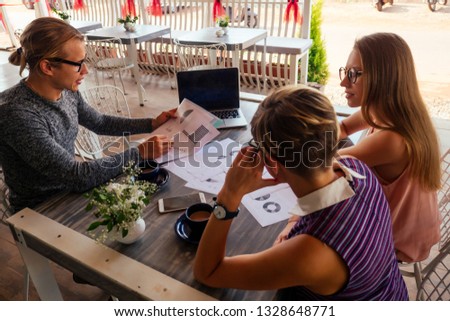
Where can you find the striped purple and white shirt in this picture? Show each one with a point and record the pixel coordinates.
(358, 227)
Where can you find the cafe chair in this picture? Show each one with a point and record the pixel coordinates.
(435, 284)
(107, 100)
(108, 56)
(6, 211)
(193, 57)
(419, 271)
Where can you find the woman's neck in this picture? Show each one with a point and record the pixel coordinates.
(303, 186)
(41, 88)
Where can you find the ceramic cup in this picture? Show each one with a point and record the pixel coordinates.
(149, 170)
(196, 218)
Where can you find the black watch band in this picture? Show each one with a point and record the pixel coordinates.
(221, 212)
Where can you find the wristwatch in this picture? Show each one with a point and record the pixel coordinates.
(221, 213)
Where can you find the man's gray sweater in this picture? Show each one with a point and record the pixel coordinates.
(37, 139)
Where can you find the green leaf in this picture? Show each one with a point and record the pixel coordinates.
(94, 225)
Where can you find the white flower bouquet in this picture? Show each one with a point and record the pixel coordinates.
(118, 205)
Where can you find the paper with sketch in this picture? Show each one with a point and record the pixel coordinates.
(272, 205)
(206, 170)
(190, 131)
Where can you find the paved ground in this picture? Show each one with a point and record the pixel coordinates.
(427, 33)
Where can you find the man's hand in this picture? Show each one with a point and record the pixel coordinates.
(154, 147)
(163, 117)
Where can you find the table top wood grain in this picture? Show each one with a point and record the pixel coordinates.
(160, 248)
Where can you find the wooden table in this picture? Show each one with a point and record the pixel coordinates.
(157, 267)
(143, 33)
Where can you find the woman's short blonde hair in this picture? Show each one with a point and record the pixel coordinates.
(297, 125)
(43, 38)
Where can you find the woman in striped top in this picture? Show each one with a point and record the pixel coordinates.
(340, 246)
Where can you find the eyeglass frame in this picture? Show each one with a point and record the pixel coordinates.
(257, 146)
(347, 72)
(68, 62)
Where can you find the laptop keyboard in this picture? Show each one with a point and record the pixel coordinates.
(226, 114)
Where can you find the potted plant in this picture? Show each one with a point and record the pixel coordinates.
(62, 14)
(118, 207)
(318, 72)
(129, 23)
(223, 22)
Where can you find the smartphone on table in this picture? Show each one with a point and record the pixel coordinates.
(179, 203)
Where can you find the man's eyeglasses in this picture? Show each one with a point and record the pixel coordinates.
(68, 62)
(352, 74)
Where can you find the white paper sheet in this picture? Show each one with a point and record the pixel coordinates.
(206, 171)
(190, 131)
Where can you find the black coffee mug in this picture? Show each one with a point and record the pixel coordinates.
(149, 170)
(196, 218)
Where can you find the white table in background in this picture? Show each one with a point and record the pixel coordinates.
(85, 26)
(236, 39)
(143, 33)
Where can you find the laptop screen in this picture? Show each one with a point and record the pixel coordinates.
(212, 89)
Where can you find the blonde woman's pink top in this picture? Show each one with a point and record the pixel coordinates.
(415, 217)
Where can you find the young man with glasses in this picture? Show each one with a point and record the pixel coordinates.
(39, 119)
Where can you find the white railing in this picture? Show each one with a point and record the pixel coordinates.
(187, 15)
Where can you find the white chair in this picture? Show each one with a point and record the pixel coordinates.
(6, 211)
(107, 100)
(201, 56)
(435, 285)
(107, 56)
(419, 272)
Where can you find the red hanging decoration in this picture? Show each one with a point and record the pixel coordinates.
(155, 8)
(78, 4)
(1, 19)
(129, 9)
(217, 9)
(293, 4)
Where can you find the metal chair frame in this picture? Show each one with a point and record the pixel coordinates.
(435, 284)
(420, 272)
(201, 56)
(109, 56)
(107, 100)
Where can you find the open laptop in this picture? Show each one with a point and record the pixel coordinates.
(215, 90)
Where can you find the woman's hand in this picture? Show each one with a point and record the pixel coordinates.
(154, 147)
(285, 232)
(244, 176)
(163, 117)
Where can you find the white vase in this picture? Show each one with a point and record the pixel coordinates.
(225, 30)
(134, 232)
(67, 21)
(129, 26)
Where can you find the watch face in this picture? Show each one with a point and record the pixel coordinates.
(219, 212)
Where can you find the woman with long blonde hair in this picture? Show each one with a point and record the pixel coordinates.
(401, 147)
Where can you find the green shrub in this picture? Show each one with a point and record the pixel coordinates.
(317, 64)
